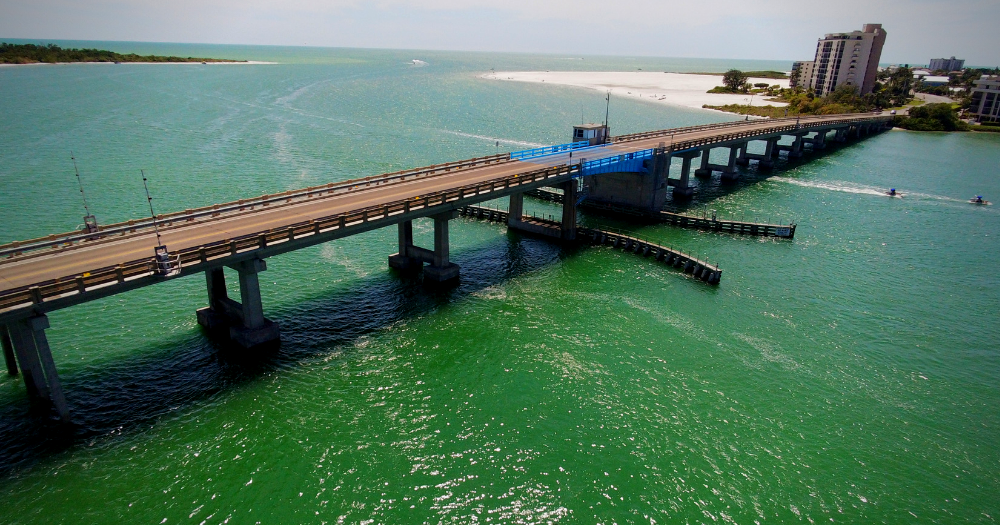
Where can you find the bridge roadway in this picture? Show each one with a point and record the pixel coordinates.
(63, 270)
(90, 256)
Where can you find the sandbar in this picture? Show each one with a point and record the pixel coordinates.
(676, 89)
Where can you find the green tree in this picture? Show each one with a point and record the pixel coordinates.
(898, 86)
(735, 80)
(933, 117)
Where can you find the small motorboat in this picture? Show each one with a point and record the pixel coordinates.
(978, 199)
(893, 193)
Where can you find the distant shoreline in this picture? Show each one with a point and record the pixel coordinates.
(27, 54)
(206, 63)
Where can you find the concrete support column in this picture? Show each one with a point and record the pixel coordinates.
(38, 324)
(796, 150)
(254, 328)
(8, 351)
(441, 240)
(441, 268)
(661, 176)
(220, 307)
(35, 356)
(243, 322)
(729, 173)
(770, 151)
(682, 188)
(705, 170)
(819, 141)
(253, 307)
(405, 259)
(741, 158)
(569, 210)
(516, 209)
(840, 135)
(27, 357)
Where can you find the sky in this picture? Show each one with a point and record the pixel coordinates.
(918, 30)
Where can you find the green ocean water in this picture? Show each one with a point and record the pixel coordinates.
(850, 375)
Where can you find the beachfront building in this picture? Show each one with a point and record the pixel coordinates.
(985, 104)
(947, 64)
(933, 81)
(801, 73)
(847, 59)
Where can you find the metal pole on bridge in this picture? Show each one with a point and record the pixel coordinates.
(151, 212)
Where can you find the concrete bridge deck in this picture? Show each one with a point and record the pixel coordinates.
(258, 216)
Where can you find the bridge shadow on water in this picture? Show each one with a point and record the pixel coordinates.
(176, 374)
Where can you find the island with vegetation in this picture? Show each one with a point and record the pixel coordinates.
(893, 89)
(53, 54)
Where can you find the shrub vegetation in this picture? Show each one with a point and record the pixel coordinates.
(51, 54)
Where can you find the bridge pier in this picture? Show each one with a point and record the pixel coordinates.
(27, 337)
(763, 159)
(411, 258)
(707, 167)
(796, 150)
(441, 269)
(682, 186)
(515, 210)
(244, 321)
(567, 227)
(569, 210)
(840, 135)
(741, 157)
(818, 141)
(8, 351)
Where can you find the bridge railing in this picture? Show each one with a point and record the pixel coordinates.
(198, 258)
(547, 150)
(169, 219)
(802, 122)
(625, 162)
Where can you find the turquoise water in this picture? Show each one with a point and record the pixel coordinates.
(849, 375)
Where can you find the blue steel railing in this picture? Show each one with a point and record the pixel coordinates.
(626, 162)
(547, 150)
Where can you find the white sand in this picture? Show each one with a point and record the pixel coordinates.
(677, 89)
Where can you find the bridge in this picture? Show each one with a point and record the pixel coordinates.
(632, 171)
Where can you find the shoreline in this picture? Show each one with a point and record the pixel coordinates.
(687, 90)
(234, 62)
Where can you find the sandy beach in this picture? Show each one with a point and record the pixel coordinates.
(677, 89)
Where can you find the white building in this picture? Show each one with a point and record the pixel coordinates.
(947, 64)
(930, 80)
(847, 59)
(800, 75)
(985, 105)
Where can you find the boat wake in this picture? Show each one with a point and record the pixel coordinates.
(493, 139)
(861, 189)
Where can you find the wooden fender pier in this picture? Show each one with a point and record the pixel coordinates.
(710, 273)
(786, 231)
